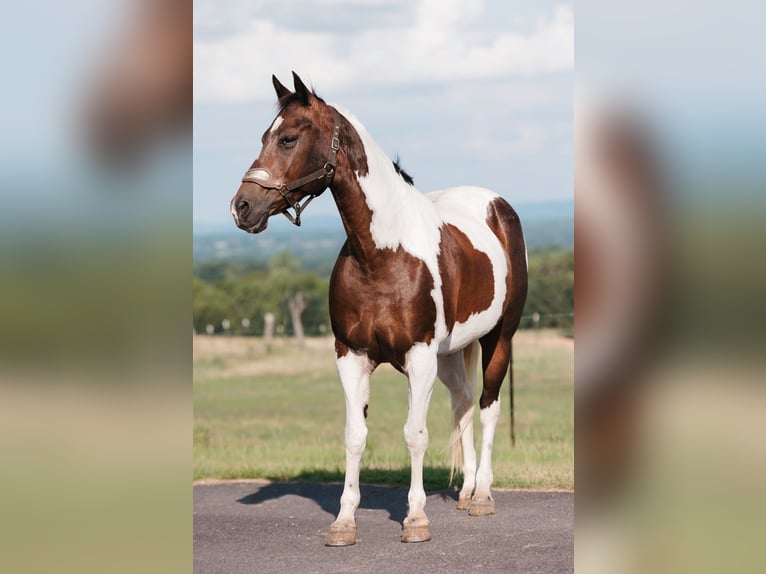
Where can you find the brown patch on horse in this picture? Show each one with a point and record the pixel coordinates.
(341, 350)
(496, 345)
(381, 313)
(463, 294)
(352, 148)
(504, 223)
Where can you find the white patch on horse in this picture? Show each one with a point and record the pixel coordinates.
(275, 124)
(466, 208)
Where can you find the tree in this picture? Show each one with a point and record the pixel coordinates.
(298, 300)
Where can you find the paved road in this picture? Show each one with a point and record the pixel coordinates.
(249, 527)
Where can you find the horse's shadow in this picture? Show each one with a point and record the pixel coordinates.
(392, 499)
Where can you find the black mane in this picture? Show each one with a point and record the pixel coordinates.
(404, 175)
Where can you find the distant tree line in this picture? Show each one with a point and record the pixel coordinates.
(235, 297)
(233, 292)
(551, 289)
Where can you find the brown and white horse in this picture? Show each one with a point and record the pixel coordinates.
(421, 283)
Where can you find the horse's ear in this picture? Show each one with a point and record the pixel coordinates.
(300, 89)
(282, 92)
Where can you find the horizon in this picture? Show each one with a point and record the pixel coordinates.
(560, 208)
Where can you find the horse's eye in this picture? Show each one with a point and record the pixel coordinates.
(288, 141)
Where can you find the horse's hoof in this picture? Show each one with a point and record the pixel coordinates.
(416, 532)
(341, 535)
(464, 503)
(483, 507)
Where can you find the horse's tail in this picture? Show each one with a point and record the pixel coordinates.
(461, 418)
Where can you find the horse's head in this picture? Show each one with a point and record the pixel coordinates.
(297, 159)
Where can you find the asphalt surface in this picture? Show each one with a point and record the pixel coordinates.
(250, 527)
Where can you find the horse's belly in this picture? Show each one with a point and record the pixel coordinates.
(462, 334)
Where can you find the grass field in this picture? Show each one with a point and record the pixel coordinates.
(280, 416)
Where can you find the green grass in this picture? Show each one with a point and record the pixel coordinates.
(280, 416)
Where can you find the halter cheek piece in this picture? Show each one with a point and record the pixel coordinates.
(263, 177)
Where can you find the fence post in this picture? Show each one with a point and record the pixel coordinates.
(268, 330)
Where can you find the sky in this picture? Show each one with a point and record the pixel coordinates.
(465, 92)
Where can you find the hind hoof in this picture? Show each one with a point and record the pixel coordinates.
(341, 535)
(419, 531)
(484, 507)
(464, 503)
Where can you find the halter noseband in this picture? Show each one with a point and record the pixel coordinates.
(263, 177)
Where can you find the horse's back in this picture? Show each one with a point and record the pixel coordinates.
(462, 202)
(477, 210)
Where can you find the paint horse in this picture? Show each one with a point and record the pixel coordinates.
(421, 282)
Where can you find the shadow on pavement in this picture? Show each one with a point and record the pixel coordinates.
(327, 496)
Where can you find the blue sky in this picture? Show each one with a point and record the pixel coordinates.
(465, 92)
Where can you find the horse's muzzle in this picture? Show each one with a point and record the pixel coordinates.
(245, 217)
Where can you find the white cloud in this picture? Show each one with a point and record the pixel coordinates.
(447, 42)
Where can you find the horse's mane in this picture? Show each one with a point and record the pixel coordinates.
(404, 175)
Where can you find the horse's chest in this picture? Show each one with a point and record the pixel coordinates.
(383, 311)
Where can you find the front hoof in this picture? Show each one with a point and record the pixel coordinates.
(416, 531)
(464, 503)
(341, 535)
(484, 507)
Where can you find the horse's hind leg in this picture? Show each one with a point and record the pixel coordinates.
(496, 349)
(458, 373)
(354, 370)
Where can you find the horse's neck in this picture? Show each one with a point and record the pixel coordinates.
(379, 209)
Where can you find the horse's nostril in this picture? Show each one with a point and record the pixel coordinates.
(243, 207)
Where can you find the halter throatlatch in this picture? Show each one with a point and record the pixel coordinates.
(263, 177)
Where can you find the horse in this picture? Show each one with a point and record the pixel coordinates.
(423, 282)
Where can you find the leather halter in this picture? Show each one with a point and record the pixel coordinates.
(263, 177)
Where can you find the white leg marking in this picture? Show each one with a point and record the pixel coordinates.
(489, 417)
(354, 370)
(421, 366)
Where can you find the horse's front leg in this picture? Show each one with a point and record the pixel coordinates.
(354, 370)
(421, 366)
